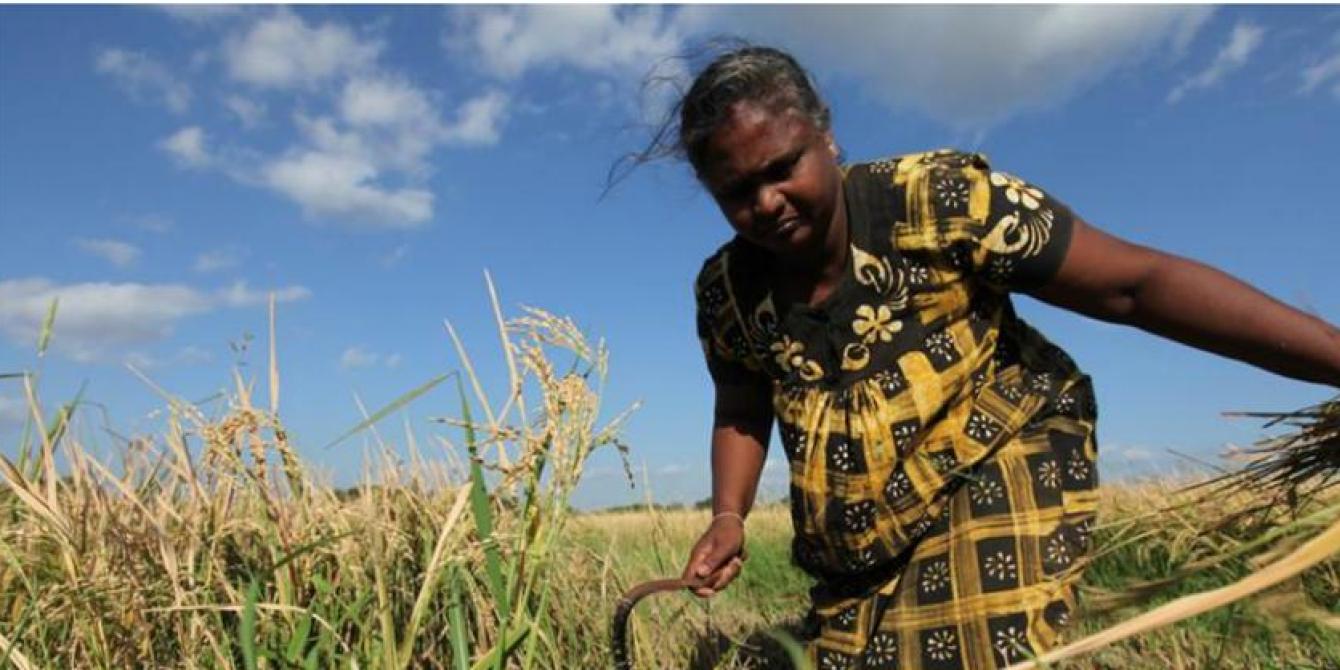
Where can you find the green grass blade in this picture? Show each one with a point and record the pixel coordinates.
(62, 420)
(504, 647)
(247, 627)
(299, 640)
(44, 337)
(479, 506)
(308, 548)
(393, 406)
(794, 651)
(460, 646)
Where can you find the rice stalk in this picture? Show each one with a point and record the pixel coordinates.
(214, 543)
(1316, 550)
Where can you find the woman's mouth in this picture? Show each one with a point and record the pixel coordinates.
(785, 228)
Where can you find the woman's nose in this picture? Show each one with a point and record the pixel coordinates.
(769, 202)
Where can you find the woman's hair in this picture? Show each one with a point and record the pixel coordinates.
(742, 73)
(760, 75)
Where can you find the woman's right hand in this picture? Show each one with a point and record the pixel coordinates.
(718, 556)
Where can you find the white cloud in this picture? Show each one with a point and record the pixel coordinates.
(118, 253)
(143, 77)
(365, 158)
(359, 357)
(199, 13)
(967, 67)
(383, 101)
(283, 51)
(1325, 72)
(249, 112)
(95, 319)
(478, 120)
(597, 38)
(1244, 40)
(327, 183)
(217, 259)
(241, 295)
(187, 147)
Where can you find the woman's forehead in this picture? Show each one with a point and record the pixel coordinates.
(753, 135)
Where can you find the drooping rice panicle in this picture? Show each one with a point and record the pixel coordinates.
(1284, 469)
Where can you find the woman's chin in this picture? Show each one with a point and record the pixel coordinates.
(798, 244)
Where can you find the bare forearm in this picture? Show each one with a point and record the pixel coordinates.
(738, 452)
(1208, 309)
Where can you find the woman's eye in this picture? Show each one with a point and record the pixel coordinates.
(781, 170)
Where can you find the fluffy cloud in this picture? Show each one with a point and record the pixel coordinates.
(597, 38)
(1244, 40)
(144, 78)
(95, 319)
(201, 14)
(384, 101)
(283, 51)
(968, 67)
(118, 253)
(187, 147)
(240, 295)
(478, 121)
(365, 132)
(327, 183)
(358, 357)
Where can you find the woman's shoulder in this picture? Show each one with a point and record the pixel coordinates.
(715, 267)
(904, 165)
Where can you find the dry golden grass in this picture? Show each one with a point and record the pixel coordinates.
(213, 544)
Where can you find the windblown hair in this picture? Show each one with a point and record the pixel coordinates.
(744, 73)
(761, 75)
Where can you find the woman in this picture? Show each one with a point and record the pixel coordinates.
(942, 452)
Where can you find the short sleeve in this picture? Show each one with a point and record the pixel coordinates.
(1025, 235)
(725, 349)
(1005, 231)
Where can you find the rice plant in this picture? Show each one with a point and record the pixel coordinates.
(213, 543)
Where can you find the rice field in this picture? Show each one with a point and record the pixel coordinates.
(211, 544)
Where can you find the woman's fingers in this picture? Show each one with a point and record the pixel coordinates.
(720, 579)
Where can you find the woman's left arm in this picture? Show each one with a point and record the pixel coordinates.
(1113, 280)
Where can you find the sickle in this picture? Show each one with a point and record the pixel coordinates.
(619, 631)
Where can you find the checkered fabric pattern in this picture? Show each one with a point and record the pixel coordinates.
(942, 451)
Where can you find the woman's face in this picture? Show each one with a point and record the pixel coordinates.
(776, 178)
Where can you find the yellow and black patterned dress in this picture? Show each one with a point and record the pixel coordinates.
(942, 451)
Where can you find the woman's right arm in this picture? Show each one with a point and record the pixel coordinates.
(741, 427)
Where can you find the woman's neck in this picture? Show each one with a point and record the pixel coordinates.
(811, 279)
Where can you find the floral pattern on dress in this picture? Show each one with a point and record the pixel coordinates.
(942, 645)
(910, 380)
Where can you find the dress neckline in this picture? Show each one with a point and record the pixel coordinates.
(844, 280)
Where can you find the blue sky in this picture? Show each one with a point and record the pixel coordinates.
(162, 171)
